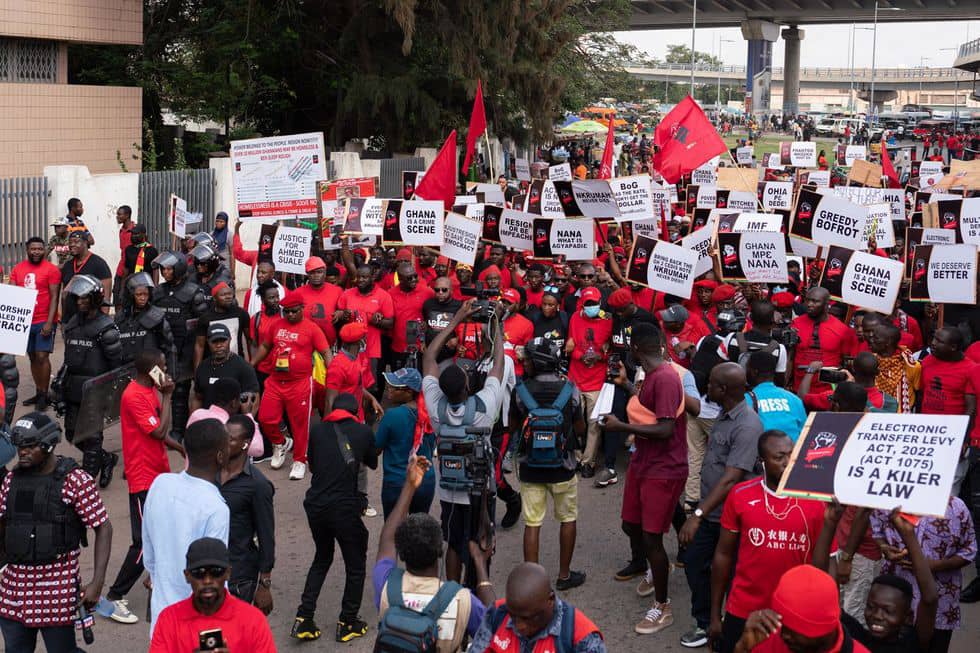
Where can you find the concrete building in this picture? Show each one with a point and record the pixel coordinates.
(44, 120)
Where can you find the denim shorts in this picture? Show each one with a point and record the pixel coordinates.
(37, 342)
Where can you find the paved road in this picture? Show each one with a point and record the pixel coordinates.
(601, 550)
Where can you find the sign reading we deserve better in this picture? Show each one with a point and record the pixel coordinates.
(16, 313)
(877, 460)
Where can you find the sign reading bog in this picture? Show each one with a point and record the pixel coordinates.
(663, 266)
(755, 257)
(573, 239)
(462, 238)
(877, 460)
(944, 274)
(560, 172)
(16, 314)
(291, 248)
(276, 177)
(828, 220)
(632, 195)
(862, 279)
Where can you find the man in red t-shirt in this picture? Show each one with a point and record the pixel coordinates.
(124, 218)
(946, 377)
(658, 469)
(407, 298)
(589, 333)
(349, 371)
(319, 297)
(289, 388)
(534, 285)
(770, 533)
(822, 337)
(371, 305)
(518, 330)
(145, 425)
(682, 333)
(37, 273)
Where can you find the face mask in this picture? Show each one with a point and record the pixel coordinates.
(591, 311)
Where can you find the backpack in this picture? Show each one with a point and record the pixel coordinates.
(545, 440)
(458, 450)
(404, 630)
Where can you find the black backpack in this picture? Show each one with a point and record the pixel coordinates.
(404, 630)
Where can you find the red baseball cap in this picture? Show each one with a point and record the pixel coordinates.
(511, 296)
(591, 294)
(314, 263)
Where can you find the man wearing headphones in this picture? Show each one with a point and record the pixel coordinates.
(46, 505)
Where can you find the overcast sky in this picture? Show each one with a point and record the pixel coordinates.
(899, 44)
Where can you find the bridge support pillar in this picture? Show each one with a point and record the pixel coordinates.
(791, 71)
(758, 69)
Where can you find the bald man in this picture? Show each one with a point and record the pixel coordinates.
(823, 338)
(731, 456)
(533, 618)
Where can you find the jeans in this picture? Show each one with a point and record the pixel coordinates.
(132, 566)
(697, 559)
(336, 526)
(18, 638)
(421, 502)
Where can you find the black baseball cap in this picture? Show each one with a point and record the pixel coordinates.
(218, 331)
(207, 552)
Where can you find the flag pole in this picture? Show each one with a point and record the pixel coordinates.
(486, 134)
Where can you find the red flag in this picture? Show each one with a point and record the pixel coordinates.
(685, 139)
(606, 167)
(887, 167)
(439, 182)
(478, 125)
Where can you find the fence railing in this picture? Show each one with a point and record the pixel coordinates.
(969, 48)
(23, 213)
(824, 73)
(391, 174)
(194, 186)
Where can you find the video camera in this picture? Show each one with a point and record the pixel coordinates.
(466, 462)
(787, 336)
(486, 300)
(731, 321)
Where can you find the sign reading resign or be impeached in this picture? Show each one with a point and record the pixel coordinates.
(877, 460)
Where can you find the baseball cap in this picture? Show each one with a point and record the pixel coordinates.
(675, 313)
(218, 331)
(406, 377)
(60, 221)
(591, 294)
(511, 296)
(207, 552)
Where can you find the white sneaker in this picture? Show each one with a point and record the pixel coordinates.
(279, 452)
(297, 472)
(121, 613)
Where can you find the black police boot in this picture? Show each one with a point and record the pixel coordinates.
(92, 463)
(109, 461)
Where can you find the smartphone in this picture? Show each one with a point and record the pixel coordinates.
(832, 375)
(159, 376)
(210, 640)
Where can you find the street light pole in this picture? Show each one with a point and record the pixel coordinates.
(850, 92)
(874, 52)
(718, 57)
(956, 91)
(922, 60)
(694, 27)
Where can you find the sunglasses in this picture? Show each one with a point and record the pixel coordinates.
(441, 289)
(560, 280)
(214, 572)
(586, 276)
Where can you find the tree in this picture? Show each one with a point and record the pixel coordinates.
(682, 54)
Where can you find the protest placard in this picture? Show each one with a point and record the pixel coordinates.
(706, 174)
(16, 314)
(649, 228)
(924, 236)
(740, 179)
(746, 222)
(735, 200)
(700, 242)
(276, 176)
(462, 238)
(944, 274)
(867, 174)
(818, 178)
(880, 227)
(854, 153)
(663, 266)
(410, 181)
(560, 172)
(879, 460)
(743, 155)
(522, 169)
(755, 257)
(331, 198)
(799, 154)
(573, 239)
(961, 216)
(413, 222)
(515, 229)
(291, 249)
(930, 173)
(862, 279)
(959, 166)
(772, 161)
(660, 195)
(706, 197)
(178, 216)
(632, 195)
(491, 222)
(829, 220)
(777, 195)
(542, 199)
(589, 198)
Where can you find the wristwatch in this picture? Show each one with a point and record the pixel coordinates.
(265, 582)
(698, 513)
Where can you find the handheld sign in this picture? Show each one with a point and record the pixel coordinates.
(413, 222)
(930, 173)
(410, 181)
(291, 249)
(862, 279)
(662, 266)
(462, 238)
(700, 242)
(880, 225)
(743, 155)
(868, 174)
(777, 195)
(944, 274)
(522, 169)
(706, 174)
(560, 172)
(572, 239)
(542, 199)
(961, 216)
(16, 313)
(877, 460)
(515, 229)
(828, 220)
(757, 222)
(589, 198)
(178, 216)
(757, 257)
(632, 195)
(276, 177)
(924, 236)
(799, 154)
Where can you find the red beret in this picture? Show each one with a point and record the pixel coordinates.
(783, 299)
(706, 283)
(620, 299)
(353, 331)
(291, 300)
(214, 291)
(404, 254)
(722, 293)
(490, 269)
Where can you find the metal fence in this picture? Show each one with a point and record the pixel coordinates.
(391, 174)
(23, 213)
(194, 186)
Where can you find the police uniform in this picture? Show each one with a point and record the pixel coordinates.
(145, 329)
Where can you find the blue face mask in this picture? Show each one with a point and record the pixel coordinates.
(591, 311)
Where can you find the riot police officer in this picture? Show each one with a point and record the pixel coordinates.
(92, 347)
(9, 381)
(210, 271)
(47, 506)
(182, 300)
(141, 324)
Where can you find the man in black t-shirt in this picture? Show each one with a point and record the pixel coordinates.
(438, 311)
(139, 253)
(82, 262)
(224, 310)
(221, 364)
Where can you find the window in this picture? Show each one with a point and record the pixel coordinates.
(30, 61)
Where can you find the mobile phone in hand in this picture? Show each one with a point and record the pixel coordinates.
(159, 376)
(210, 640)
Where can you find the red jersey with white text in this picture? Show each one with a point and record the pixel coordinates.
(363, 307)
(37, 277)
(292, 349)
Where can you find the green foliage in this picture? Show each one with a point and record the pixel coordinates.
(682, 54)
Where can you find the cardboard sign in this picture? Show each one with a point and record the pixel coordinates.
(757, 257)
(743, 155)
(740, 179)
(868, 174)
(662, 266)
(522, 169)
(462, 238)
(700, 242)
(930, 173)
(878, 460)
(827, 220)
(862, 279)
(589, 198)
(958, 166)
(757, 222)
(632, 195)
(277, 176)
(944, 274)
(880, 225)
(291, 249)
(573, 239)
(799, 154)
(178, 216)
(560, 172)
(515, 229)
(777, 195)
(724, 219)
(16, 314)
(410, 181)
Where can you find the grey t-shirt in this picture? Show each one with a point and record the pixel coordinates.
(490, 395)
(734, 442)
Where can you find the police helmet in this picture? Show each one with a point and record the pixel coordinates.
(204, 238)
(169, 259)
(36, 429)
(204, 254)
(83, 285)
(543, 353)
(139, 280)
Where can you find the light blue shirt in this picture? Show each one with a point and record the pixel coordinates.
(179, 509)
(778, 409)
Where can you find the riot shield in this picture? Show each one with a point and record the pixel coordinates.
(100, 401)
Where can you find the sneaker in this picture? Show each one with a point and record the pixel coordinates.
(304, 628)
(632, 570)
(121, 613)
(346, 631)
(646, 588)
(298, 471)
(587, 471)
(279, 452)
(109, 461)
(41, 403)
(262, 459)
(605, 477)
(694, 638)
(369, 512)
(513, 513)
(574, 579)
(656, 619)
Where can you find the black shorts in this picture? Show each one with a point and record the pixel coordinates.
(461, 523)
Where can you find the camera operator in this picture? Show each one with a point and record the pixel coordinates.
(450, 404)
(864, 372)
(761, 337)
